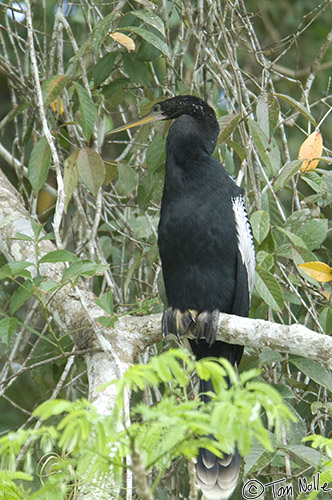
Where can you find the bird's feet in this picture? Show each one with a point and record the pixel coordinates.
(200, 324)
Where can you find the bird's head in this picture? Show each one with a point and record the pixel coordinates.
(173, 108)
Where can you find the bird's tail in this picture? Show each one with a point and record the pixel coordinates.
(216, 477)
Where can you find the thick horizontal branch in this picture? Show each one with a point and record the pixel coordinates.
(294, 339)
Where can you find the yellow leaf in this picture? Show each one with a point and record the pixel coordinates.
(318, 270)
(123, 40)
(55, 105)
(310, 149)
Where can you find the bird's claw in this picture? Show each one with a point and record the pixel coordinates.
(202, 325)
(177, 322)
(206, 326)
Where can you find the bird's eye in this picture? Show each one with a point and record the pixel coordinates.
(156, 108)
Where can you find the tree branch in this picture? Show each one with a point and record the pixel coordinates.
(59, 209)
(293, 339)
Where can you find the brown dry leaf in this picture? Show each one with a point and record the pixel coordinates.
(123, 40)
(310, 149)
(318, 270)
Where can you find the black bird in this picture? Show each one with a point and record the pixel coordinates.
(207, 252)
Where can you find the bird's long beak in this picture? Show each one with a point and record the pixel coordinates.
(149, 118)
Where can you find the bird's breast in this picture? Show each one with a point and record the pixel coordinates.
(197, 231)
(198, 255)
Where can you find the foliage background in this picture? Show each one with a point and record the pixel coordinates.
(230, 53)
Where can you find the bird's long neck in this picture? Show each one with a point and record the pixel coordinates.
(189, 137)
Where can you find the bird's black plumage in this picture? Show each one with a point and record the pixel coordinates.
(206, 250)
(203, 268)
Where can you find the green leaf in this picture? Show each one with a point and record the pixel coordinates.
(58, 256)
(7, 328)
(101, 29)
(52, 407)
(87, 111)
(39, 164)
(106, 302)
(267, 149)
(269, 356)
(91, 169)
(147, 52)
(314, 232)
(314, 180)
(325, 319)
(49, 286)
(17, 110)
(156, 152)
(286, 173)
(301, 109)
(260, 139)
(297, 250)
(36, 228)
(130, 272)
(264, 259)
(257, 459)
(150, 188)
(284, 391)
(311, 231)
(8, 475)
(228, 124)
(269, 244)
(294, 238)
(115, 91)
(12, 269)
(96, 38)
(83, 268)
(107, 321)
(48, 236)
(103, 68)
(239, 150)
(111, 172)
(267, 113)
(151, 38)
(70, 177)
(142, 226)
(28, 131)
(298, 430)
(305, 453)
(20, 296)
(313, 370)
(269, 289)
(150, 18)
(127, 178)
(52, 87)
(136, 70)
(23, 237)
(260, 223)
(227, 159)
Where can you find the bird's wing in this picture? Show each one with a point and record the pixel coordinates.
(246, 258)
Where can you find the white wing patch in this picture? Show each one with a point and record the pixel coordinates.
(245, 239)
